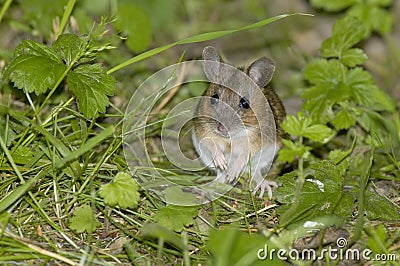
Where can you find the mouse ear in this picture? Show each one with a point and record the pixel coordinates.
(261, 71)
(211, 69)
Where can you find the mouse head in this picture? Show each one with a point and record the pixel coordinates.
(235, 97)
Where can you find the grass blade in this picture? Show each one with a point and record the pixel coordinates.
(65, 17)
(90, 144)
(199, 38)
(4, 8)
(17, 194)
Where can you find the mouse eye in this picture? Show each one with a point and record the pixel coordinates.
(214, 98)
(243, 103)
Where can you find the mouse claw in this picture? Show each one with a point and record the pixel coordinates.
(233, 173)
(219, 160)
(265, 185)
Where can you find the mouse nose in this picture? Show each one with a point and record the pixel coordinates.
(222, 128)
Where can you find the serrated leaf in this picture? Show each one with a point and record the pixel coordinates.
(361, 85)
(325, 170)
(380, 208)
(327, 73)
(333, 5)
(84, 220)
(374, 18)
(176, 217)
(344, 120)
(336, 155)
(175, 196)
(302, 126)
(134, 22)
(346, 32)
(353, 57)
(91, 85)
(122, 191)
(296, 125)
(291, 151)
(34, 73)
(68, 47)
(340, 93)
(314, 92)
(322, 192)
(319, 108)
(319, 133)
(36, 48)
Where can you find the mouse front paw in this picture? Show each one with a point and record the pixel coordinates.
(219, 160)
(233, 172)
(265, 185)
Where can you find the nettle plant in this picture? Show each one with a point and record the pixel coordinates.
(341, 105)
(40, 69)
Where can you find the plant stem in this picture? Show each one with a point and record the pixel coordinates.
(290, 214)
(365, 175)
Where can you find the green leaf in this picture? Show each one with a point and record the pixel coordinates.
(34, 73)
(233, 247)
(346, 32)
(122, 191)
(291, 151)
(333, 5)
(377, 240)
(301, 126)
(91, 85)
(382, 101)
(134, 22)
(319, 108)
(22, 155)
(296, 125)
(152, 230)
(175, 196)
(68, 47)
(362, 86)
(328, 172)
(322, 192)
(344, 120)
(84, 220)
(353, 57)
(380, 208)
(341, 159)
(36, 48)
(319, 133)
(327, 73)
(374, 18)
(382, 3)
(176, 217)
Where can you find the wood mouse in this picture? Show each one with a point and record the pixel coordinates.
(237, 121)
